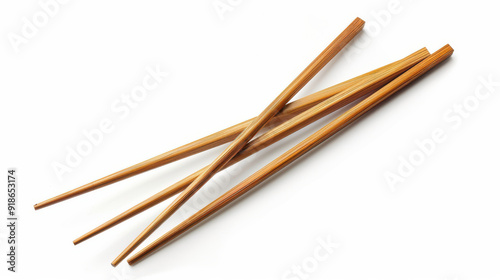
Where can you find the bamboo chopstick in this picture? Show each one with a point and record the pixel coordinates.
(297, 151)
(216, 139)
(211, 141)
(347, 96)
(311, 70)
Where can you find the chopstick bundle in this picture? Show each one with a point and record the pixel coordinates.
(347, 96)
(277, 121)
(213, 140)
(272, 109)
(303, 147)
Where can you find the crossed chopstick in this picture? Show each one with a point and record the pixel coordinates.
(285, 120)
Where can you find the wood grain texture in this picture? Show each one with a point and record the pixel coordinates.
(272, 109)
(366, 86)
(208, 142)
(297, 151)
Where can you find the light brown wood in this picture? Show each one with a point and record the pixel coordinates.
(277, 105)
(362, 88)
(206, 143)
(297, 151)
(211, 141)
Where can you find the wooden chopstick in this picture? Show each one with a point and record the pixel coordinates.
(211, 141)
(297, 151)
(277, 105)
(347, 96)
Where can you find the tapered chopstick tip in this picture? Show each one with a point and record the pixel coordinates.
(118, 259)
(42, 204)
(133, 260)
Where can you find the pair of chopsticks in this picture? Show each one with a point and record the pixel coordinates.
(248, 133)
(350, 94)
(297, 151)
(230, 133)
(384, 81)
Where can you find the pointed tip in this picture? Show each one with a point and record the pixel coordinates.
(118, 260)
(80, 239)
(41, 205)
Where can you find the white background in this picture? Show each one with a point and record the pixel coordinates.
(441, 222)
